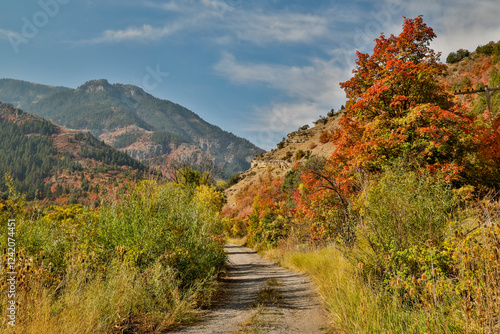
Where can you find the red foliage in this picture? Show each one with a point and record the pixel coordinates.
(398, 108)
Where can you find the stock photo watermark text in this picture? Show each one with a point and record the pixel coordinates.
(11, 274)
(31, 25)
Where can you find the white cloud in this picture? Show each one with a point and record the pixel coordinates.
(312, 90)
(465, 25)
(132, 33)
(171, 6)
(145, 33)
(272, 122)
(5, 34)
(223, 40)
(225, 18)
(318, 81)
(282, 27)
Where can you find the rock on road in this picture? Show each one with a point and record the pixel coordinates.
(300, 312)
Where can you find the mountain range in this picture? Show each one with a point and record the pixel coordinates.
(149, 129)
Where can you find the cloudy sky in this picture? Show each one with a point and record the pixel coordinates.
(257, 68)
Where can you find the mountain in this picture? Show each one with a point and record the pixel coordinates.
(47, 161)
(23, 94)
(128, 118)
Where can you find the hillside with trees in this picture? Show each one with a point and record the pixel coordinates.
(126, 117)
(49, 162)
(24, 94)
(398, 226)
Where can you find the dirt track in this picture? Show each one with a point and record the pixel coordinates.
(300, 311)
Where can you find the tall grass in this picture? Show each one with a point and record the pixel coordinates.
(142, 262)
(425, 261)
(356, 303)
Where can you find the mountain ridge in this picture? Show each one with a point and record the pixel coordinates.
(47, 161)
(104, 109)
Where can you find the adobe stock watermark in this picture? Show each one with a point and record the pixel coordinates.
(373, 28)
(153, 78)
(31, 25)
(11, 303)
(226, 6)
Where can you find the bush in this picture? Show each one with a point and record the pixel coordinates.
(406, 217)
(491, 48)
(455, 57)
(139, 263)
(234, 179)
(299, 154)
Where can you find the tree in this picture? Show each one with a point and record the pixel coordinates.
(192, 168)
(397, 107)
(455, 57)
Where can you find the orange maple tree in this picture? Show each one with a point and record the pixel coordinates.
(399, 112)
(398, 108)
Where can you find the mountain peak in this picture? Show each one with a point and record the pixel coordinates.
(109, 111)
(94, 86)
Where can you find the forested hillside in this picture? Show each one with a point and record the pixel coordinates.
(46, 161)
(126, 117)
(24, 94)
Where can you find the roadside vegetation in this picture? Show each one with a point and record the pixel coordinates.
(141, 262)
(400, 227)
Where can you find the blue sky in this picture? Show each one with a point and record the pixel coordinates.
(257, 68)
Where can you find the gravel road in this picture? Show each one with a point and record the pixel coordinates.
(235, 312)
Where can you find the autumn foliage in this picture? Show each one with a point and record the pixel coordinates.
(404, 188)
(399, 111)
(398, 108)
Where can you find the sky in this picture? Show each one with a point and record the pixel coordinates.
(257, 68)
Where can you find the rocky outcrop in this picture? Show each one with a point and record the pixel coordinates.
(144, 153)
(298, 137)
(282, 164)
(295, 149)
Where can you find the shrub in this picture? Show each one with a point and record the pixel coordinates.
(491, 48)
(455, 57)
(325, 136)
(234, 179)
(141, 262)
(299, 154)
(406, 216)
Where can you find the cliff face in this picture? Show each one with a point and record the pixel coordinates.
(296, 148)
(145, 153)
